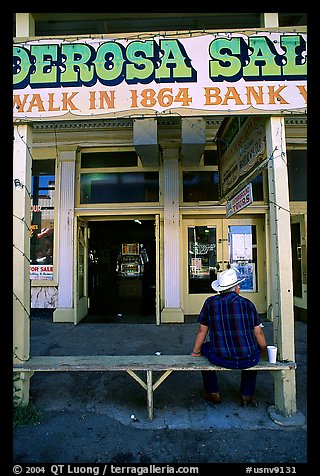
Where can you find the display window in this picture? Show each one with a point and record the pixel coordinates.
(212, 245)
(243, 255)
(42, 220)
(202, 258)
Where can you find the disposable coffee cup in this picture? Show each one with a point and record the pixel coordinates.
(272, 353)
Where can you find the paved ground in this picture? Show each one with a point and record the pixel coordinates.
(87, 416)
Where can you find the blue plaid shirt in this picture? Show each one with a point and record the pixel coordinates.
(231, 319)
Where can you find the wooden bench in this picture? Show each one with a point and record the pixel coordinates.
(132, 364)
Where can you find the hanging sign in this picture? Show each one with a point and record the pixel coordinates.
(241, 144)
(255, 71)
(239, 201)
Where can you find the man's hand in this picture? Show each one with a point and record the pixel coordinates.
(263, 353)
(199, 340)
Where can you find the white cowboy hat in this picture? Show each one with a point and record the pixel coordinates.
(227, 279)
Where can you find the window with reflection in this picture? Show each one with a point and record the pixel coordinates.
(202, 258)
(210, 157)
(257, 188)
(42, 219)
(200, 186)
(109, 159)
(119, 187)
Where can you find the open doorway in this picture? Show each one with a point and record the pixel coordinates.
(122, 271)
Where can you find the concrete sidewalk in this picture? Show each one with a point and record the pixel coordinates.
(178, 404)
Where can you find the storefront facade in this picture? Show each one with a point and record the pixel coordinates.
(154, 169)
(201, 223)
(142, 169)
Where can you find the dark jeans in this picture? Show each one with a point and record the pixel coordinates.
(248, 378)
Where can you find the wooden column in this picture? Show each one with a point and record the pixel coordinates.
(281, 262)
(22, 161)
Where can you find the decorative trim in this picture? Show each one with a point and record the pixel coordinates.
(72, 125)
(128, 123)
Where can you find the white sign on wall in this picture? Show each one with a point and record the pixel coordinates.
(239, 201)
(41, 271)
(243, 72)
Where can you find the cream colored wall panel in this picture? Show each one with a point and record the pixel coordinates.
(44, 297)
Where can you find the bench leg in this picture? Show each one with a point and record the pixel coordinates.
(149, 387)
(150, 395)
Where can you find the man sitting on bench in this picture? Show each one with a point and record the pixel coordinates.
(235, 337)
